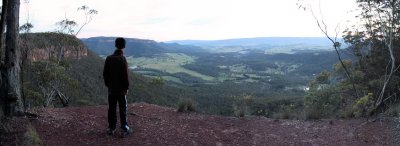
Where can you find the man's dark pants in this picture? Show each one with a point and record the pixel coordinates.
(112, 109)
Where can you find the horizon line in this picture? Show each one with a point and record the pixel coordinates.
(206, 39)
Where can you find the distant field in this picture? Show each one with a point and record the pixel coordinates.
(167, 62)
(173, 63)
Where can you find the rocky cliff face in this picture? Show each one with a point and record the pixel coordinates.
(54, 52)
(45, 46)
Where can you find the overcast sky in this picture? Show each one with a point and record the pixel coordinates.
(164, 20)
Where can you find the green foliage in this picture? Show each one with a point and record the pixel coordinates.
(32, 97)
(320, 80)
(46, 76)
(322, 101)
(81, 79)
(364, 106)
(358, 76)
(373, 46)
(48, 73)
(338, 67)
(159, 81)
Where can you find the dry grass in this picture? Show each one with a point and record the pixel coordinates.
(31, 137)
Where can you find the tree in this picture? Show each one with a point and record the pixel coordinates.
(377, 45)
(68, 26)
(3, 21)
(27, 26)
(374, 41)
(89, 14)
(51, 78)
(11, 84)
(334, 39)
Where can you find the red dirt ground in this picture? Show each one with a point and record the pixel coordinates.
(158, 126)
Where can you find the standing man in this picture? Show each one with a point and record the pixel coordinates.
(116, 78)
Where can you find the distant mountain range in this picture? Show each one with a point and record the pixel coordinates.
(259, 41)
(135, 47)
(143, 47)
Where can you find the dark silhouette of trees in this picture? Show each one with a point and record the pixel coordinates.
(375, 45)
(381, 32)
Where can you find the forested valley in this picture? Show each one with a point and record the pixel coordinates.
(351, 75)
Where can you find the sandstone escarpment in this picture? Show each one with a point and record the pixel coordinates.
(51, 46)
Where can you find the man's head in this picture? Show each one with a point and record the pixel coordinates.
(120, 43)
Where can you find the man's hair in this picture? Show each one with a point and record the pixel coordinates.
(120, 43)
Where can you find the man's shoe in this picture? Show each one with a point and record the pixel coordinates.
(126, 132)
(110, 131)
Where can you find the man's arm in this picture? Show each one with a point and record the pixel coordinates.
(126, 74)
(106, 74)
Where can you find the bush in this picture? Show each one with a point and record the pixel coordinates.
(186, 105)
(324, 101)
(33, 98)
(364, 106)
(239, 112)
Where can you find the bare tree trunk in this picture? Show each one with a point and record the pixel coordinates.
(2, 26)
(11, 78)
(392, 59)
(3, 21)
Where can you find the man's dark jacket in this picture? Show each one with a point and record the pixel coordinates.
(115, 73)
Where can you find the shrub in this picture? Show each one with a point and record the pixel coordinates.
(159, 81)
(364, 106)
(239, 112)
(186, 105)
(33, 98)
(322, 102)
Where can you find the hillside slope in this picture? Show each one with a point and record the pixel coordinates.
(155, 125)
(84, 68)
(88, 71)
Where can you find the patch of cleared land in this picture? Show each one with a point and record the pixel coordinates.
(168, 62)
